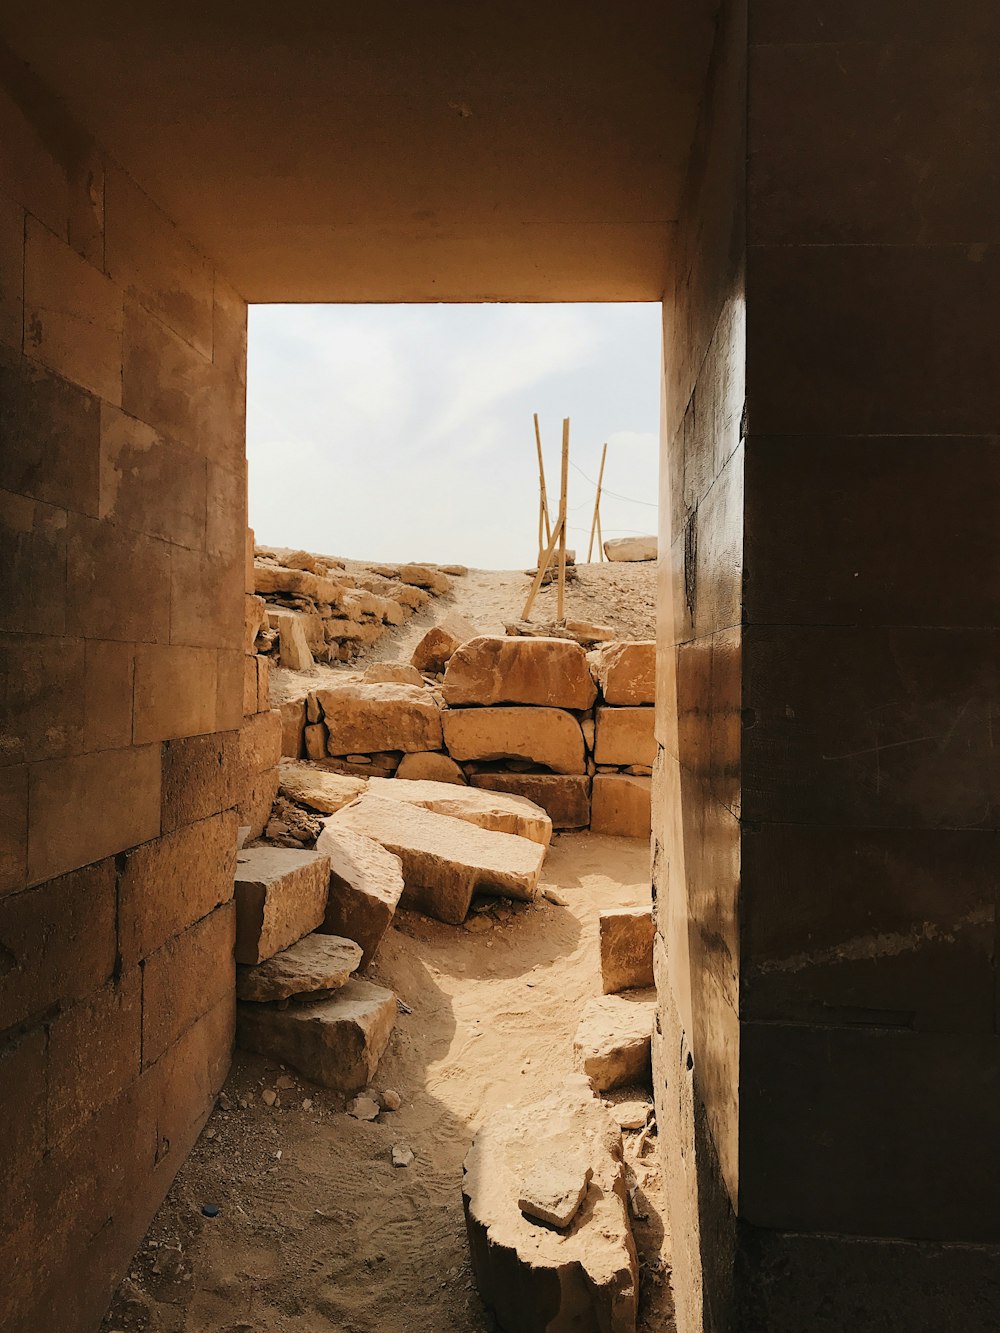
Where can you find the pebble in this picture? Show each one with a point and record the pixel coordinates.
(210, 1210)
(477, 924)
(402, 1155)
(554, 896)
(391, 1100)
(307, 1104)
(269, 1096)
(363, 1108)
(284, 1082)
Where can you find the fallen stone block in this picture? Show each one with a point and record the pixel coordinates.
(280, 896)
(565, 799)
(435, 649)
(446, 861)
(293, 642)
(548, 737)
(315, 965)
(366, 882)
(621, 804)
(626, 949)
(535, 1276)
(392, 673)
(625, 672)
(430, 766)
(625, 736)
(553, 1191)
(613, 1040)
(631, 548)
(317, 787)
(491, 670)
(364, 718)
(424, 576)
(336, 1043)
(489, 810)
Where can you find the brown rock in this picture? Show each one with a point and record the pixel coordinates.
(553, 1191)
(435, 649)
(547, 737)
(566, 800)
(293, 726)
(254, 610)
(625, 736)
(613, 1040)
(631, 548)
(626, 949)
(548, 672)
(430, 766)
(316, 787)
(315, 963)
(366, 882)
(314, 741)
(489, 810)
(425, 576)
(280, 896)
(336, 1043)
(392, 673)
(445, 860)
(625, 672)
(367, 718)
(620, 804)
(293, 644)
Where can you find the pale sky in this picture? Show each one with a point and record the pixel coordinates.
(404, 432)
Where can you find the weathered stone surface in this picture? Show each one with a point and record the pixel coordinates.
(536, 1279)
(553, 1191)
(300, 582)
(366, 882)
(625, 672)
(613, 1040)
(336, 1043)
(489, 810)
(293, 644)
(565, 799)
(314, 740)
(430, 766)
(423, 576)
(254, 612)
(631, 548)
(625, 736)
(620, 804)
(392, 673)
(491, 670)
(435, 649)
(445, 860)
(315, 963)
(293, 726)
(280, 896)
(365, 718)
(626, 949)
(317, 787)
(547, 737)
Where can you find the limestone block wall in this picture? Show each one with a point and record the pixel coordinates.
(122, 530)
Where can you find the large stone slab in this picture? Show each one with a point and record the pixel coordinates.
(336, 1043)
(625, 736)
(362, 718)
(316, 963)
(625, 672)
(548, 737)
(445, 860)
(366, 882)
(614, 1039)
(631, 548)
(535, 1277)
(491, 670)
(489, 810)
(280, 896)
(564, 798)
(317, 787)
(621, 804)
(626, 949)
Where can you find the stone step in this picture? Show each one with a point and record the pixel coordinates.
(317, 787)
(626, 672)
(497, 811)
(614, 1038)
(626, 949)
(362, 719)
(548, 737)
(445, 860)
(316, 964)
(621, 805)
(366, 882)
(492, 670)
(564, 798)
(336, 1043)
(625, 735)
(280, 896)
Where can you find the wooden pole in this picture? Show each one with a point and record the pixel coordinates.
(543, 499)
(563, 485)
(597, 505)
(600, 538)
(544, 561)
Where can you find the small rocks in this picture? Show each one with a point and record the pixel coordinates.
(552, 1192)
(269, 1096)
(390, 1099)
(402, 1155)
(363, 1108)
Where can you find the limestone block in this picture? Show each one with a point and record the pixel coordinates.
(565, 799)
(620, 804)
(254, 619)
(280, 896)
(260, 741)
(625, 736)
(414, 598)
(314, 739)
(199, 777)
(625, 672)
(249, 686)
(316, 787)
(185, 979)
(12, 266)
(613, 1040)
(336, 1043)
(445, 860)
(366, 882)
(534, 1277)
(175, 692)
(491, 670)
(148, 483)
(423, 576)
(431, 766)
(229, 680)
(392, 673)
(255, 796)
(547, 737)
(434, 650)
(264, 688)
(626, 949)
(317, 963)
(270, 578)
(107, 1025)
(34, 540)
(249, 585)
(13, 826)
(293, 645)
(498, 811)
(118, 583)
(631, 548)
(362, 718)
(205, 599)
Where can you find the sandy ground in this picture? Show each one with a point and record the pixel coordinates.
(617, 594)
(317, 1231)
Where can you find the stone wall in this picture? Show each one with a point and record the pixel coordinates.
(122, 513)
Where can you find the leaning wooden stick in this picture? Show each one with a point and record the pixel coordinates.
(564, 483)
(600, 540)
(597, 505)
(543, 499)
(543, 565)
